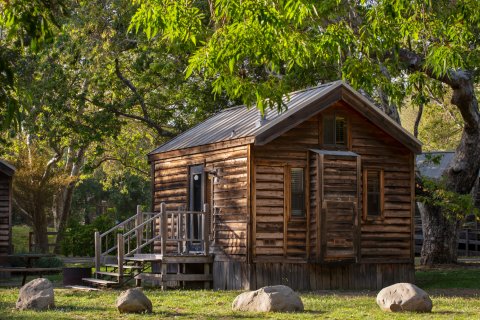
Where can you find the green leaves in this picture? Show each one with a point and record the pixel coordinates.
(175, 20)
(455, 206)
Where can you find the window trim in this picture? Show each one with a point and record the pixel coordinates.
(335, 113)
(288, 193)
(365, 215)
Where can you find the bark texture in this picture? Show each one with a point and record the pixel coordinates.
(440, 232)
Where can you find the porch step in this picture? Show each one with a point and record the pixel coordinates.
(106, 273)
(174, 277)
(111, 265)
(82, 288)
(100, 281)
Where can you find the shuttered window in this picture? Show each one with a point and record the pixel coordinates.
(297, 187)
(334, 129)
(373, 197)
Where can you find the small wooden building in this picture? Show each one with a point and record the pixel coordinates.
(319, 196)
(6, 174)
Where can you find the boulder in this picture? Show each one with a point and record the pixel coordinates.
(37, 295)
(133, 301)
(404, 297)
(274, 298)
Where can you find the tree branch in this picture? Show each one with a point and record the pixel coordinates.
(22, 211)
(122, 163)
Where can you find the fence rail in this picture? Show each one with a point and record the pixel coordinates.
(468, 240)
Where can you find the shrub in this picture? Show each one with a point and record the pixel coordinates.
(79, 239)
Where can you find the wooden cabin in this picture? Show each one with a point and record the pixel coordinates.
(319, 196)
(6, 175)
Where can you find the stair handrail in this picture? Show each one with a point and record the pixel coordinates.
(117, 226)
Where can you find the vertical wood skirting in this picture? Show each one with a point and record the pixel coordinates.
(307, 277)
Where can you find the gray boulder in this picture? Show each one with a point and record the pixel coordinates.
(37, 295)
(274, 298)
(404, 297)
(133, 301)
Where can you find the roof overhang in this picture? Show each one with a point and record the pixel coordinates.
(7, 168)
(339, 91)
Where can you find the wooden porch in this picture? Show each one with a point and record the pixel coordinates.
(166, 248)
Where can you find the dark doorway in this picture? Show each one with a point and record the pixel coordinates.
(197, 199)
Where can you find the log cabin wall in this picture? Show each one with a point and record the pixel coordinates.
(284, 247)
(5, 214)
(280, 236)
(228, 203)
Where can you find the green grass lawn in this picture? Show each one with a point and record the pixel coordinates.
(455, 295)
(20, 238)
(217, 305)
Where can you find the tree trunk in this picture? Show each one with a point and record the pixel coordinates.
(40, 228)
(65, 196)
(440, 232)
(440, 236)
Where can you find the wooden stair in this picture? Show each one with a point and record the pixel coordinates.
(119, 257)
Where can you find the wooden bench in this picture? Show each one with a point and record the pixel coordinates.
(26, 271)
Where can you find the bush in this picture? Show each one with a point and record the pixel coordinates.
(49, 262)
(79, 239)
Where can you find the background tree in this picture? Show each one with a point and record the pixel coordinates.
(257, 50)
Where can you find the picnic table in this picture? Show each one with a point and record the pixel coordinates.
(29, 259)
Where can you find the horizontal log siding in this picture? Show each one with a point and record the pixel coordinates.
(5, 214)
(386, 240)
(229, 195)
(273, 238)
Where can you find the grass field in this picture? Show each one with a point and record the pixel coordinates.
(20, 238)
(458, 300)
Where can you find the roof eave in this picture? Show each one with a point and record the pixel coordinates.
(7, 168)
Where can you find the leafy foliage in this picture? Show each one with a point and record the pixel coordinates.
(79, 239)
(454, 205)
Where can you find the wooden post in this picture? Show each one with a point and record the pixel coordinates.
(120, 256)
(180, 227)
(139, 231)
(467, 244)
(205, 229)
(163, 228)
(98, 251)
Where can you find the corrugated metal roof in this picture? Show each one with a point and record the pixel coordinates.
(240, 122)
(434, 168)
(6, 168)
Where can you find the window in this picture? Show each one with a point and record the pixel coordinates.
(373, 197)
(335, 130)
(297, 192)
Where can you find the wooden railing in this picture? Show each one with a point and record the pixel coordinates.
(468, 241)
(187, 230)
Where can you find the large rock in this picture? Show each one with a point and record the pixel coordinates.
(274, 298)
(133, 301)
(37, 295)
(404, 297)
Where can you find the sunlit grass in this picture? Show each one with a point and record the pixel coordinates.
(217, 305)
